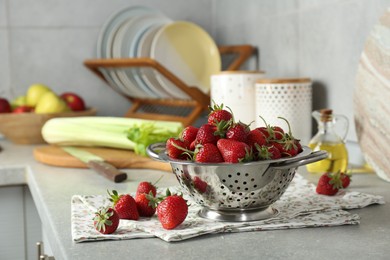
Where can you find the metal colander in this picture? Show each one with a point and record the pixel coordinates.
(236, 192)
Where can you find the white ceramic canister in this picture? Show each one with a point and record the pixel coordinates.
(236, 90)
(290, 98)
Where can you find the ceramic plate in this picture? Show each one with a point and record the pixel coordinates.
(104, 43)
(188, 52)
(128, 45)
(143, 51)
(371, 98)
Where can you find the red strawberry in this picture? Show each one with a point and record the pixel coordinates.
(255, 136)
(278, 132)
(145, 206)
(328, 185)
(176, 148)
(290, 145)
(208, 153)
(206, 134)
(345, 180)
(172, 211)
(268, 152)
(124, 205)
(146, 187)
(200, 185)
(271, 132)
(264, 131)
(238, 131)
(189, 134)
(218, 114)
(106, 220)
(234, 151)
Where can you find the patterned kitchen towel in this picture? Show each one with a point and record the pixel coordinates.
(299, 207)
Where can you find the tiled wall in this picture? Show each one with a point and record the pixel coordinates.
(47, 41)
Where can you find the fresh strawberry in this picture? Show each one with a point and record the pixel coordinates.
(234, 151)
(176, 148)
(145, 205)
(345, 180)
(208, 153)
(218, 114)
(124, 205)
(268, 152)
(172, 211)
(254, 137)
(272, 133)
(290, 146)
(328, 185)
(238, 131)
(206, 134)
(200, 185)
(189, 134)
(278, 132)
(299, 145)
(146, 187)
(106, 220)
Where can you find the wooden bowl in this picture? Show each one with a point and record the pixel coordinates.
(25, 128)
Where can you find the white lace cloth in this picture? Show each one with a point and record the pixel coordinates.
(299, 207)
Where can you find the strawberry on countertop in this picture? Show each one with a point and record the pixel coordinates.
(106, 220)
(145, 205)
(172, 211)
(124, 205)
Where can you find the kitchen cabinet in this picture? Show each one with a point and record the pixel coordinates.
(20, 224)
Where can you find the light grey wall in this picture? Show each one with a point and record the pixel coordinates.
(320, 39)
(47, 41)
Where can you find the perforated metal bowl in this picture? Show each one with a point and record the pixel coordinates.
(236, 192)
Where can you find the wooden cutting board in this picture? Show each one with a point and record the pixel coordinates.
(122, 159)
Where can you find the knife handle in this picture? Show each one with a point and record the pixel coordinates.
(107, 170)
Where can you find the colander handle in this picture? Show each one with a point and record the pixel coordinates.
(312, 157)
(155, 150)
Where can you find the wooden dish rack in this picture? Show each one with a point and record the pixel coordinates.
(143, 107)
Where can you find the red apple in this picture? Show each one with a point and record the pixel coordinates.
(74, 101)
(5, 106)
(23, 109)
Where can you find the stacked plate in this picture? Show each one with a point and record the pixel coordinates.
(182, 47)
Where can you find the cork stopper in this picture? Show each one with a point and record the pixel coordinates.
(326, 114)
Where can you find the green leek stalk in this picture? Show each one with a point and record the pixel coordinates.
(113, 132)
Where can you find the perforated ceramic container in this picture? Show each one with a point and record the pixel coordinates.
(236, 89)
(290, 98)
(236, 191)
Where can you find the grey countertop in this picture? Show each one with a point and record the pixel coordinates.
(53, 187)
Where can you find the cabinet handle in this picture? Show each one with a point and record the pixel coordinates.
(41, 254)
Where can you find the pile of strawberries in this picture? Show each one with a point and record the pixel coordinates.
(222, 139)
(330, 183)
(171, 209)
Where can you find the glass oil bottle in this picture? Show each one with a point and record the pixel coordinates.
(328, 139)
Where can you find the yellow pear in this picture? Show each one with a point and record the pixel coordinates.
(51, 103)
(34, 93)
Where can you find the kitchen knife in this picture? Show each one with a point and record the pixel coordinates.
(96, 163)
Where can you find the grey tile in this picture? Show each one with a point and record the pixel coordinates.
(332, 39)
(5, 90)
(3, 13)
(265, 25)
(95, 12)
